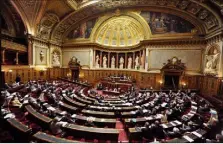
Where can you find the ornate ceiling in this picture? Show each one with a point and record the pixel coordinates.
(120, 31)
(204, 14)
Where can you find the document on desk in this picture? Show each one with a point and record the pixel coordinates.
(63, 123)
(164, 126)
(197, 134)
(51, 108)
(188, 138)
(172, 123)
(74, 115)
(176, 121)
(148, 118)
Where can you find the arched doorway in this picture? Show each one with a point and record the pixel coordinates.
(172, 73)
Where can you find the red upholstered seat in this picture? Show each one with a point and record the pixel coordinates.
(82, 140)
(70, 137)
(95, 141)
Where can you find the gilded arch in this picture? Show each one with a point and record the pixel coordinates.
(132, 19)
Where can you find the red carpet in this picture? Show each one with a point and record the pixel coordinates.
(122, 133)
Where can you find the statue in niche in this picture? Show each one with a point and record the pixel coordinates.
(212, 61)
(104, 62)
(113, 62)
(121, 63)
(130, 62)
(56, 59)
(41, 56)
(137, 62)
(97, 61)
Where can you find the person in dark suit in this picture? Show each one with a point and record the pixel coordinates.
(146, 131)
(18, 79)
(174, 133)
(158, 130)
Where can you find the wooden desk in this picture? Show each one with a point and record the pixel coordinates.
(81, 100)
(43, 137)
(98, 113)
(68, 107)
(116, 93)
(18, 125)
(191, 135)
(15, 89)
(92, 133)
(107, 108)
(78, 104)
(37, 115)
(86, 85)
(142, 120)
(100, 122)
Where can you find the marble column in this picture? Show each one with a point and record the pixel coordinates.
(17, 58)
(3, 56)
(126, 63)
(94, 58)
(30, 50)
(109, 62)
(101, 59)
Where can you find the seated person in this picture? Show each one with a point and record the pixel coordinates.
(158, 130)
(175, 133)
(67, 118)
(219, 139)
(186, 127)
(89, 122)
(16, 102)
(56, 127)
(146, 131)
(164, 118)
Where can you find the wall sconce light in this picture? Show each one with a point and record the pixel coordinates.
(10, 70)
(161, 82)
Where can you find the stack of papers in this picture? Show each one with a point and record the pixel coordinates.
(172, 123)
(164, 126)
(188, 138)
(197, 134)
(74, 115)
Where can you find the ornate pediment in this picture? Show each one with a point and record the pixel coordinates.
(174, 64)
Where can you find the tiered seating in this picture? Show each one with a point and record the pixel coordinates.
(78, 100)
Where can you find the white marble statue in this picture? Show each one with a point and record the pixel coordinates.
(56, 59)
(104, 62)
(137, 62)
(130, 62)
(41, 56)
(97, 61)
(121, 63)
(113, 62)
(212, 61)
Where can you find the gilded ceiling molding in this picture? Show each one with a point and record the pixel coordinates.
(23, 16)
(11, 31)
(187, 43)
(30, 11)
(207, 16)
(46, 24)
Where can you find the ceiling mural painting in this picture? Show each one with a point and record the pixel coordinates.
(162, 23)
(83, 30)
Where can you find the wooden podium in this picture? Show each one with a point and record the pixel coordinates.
(75, 67)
